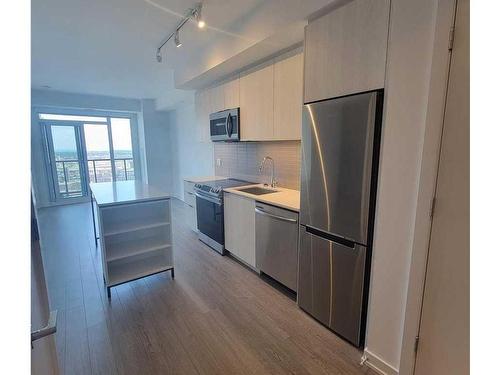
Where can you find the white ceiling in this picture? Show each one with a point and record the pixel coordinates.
(108, 47)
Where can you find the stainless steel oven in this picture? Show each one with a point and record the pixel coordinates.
(210, 210)
(210, 218)
(225, 125)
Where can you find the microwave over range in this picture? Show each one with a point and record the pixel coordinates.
(225, 125)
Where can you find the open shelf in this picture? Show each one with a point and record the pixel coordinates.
(136, 240)
(114, 255)
(124, 270)
(133, 227)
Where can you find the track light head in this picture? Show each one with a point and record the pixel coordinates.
(176, 39)
(197, 16)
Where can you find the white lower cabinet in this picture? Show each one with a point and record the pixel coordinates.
(190, 200)
(239, 227)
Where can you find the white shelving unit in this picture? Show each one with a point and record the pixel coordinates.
(134, 220)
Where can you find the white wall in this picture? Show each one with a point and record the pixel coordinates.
(157, 145)
(410, 53)
(190, 156)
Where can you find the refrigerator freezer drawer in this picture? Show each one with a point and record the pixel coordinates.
(330, 283)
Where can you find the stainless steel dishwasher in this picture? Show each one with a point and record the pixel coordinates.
(276, 234)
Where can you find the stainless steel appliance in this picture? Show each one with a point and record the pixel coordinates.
(225, 125)
(340, 152)
(210, 210)
(276, 235)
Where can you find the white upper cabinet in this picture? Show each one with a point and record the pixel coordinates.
(345, 50)
(256, 104)
(270, 98)
(216, 99)
(288, 97)
(231, 94)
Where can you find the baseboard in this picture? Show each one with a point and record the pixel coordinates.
(377, 364)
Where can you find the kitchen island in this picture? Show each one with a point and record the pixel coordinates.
(134, 223)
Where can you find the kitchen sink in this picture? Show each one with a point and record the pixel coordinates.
(257, 190)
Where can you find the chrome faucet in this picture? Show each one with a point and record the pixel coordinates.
(262, 163)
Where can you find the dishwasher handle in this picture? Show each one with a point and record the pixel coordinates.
(259, 211)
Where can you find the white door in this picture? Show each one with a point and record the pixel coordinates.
(444, 326)
(65, 158)
(43, 351)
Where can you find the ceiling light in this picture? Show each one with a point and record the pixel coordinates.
(176, 39)
(197, 16)
(192, 13)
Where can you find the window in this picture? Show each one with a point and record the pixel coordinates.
(98, 153)
(122, 148)
(85, 149)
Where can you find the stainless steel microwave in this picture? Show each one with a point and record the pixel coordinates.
(225, 125)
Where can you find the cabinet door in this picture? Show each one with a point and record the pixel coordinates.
(256, 105)
(239, 227)
(216, 95)
(345, 50)
(288, 98)
(191, 217)
(202, 107)
(232, 94)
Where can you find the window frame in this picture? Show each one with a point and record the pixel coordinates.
(134, 133)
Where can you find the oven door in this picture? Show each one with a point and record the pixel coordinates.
(224, 125)
(210, 218)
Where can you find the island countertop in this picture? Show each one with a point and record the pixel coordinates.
(120, 192)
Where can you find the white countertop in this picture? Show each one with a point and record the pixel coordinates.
(204, 178)
(112, 193)
(284, 198)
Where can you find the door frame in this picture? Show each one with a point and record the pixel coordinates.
(50, 162)
(445, 19)
(134, 130)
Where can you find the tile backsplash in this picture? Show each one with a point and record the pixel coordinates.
(242, 160)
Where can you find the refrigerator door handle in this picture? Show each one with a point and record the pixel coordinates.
(331, 237)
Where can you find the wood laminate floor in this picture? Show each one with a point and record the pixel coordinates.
(216, 317)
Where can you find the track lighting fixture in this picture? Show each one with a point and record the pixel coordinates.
(193, 13)
(176, 39)
(197, 16)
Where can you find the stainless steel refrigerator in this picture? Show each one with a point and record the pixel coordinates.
(340, 152)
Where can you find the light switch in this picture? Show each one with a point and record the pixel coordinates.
(219, 162)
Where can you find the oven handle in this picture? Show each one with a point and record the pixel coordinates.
(210, 199)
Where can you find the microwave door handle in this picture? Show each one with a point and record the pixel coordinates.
(227, 125)
(230, 125)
